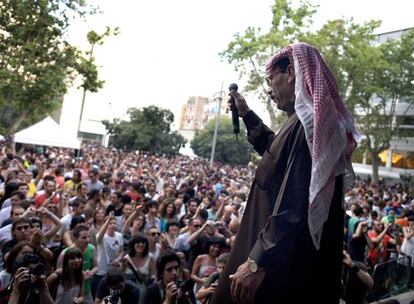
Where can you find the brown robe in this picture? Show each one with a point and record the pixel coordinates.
(274, 229)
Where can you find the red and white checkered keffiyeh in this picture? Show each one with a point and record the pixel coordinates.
(329, 128)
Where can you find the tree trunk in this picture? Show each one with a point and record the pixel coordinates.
(375, 165)
(16, 124)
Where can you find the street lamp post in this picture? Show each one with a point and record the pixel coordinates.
(213, 146)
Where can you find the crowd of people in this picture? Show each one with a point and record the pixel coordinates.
(115, 227)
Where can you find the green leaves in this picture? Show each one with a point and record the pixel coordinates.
(228, 149)
(250, 51)
(36, 62)
(372, 78)
(148, 129)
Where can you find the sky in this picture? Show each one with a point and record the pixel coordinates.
(169, 50)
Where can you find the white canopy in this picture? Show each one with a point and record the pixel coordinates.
(47, 133)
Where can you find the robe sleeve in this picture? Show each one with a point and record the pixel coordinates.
(259, 135)
(288, 224)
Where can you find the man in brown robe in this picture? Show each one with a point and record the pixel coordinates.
(289, 246)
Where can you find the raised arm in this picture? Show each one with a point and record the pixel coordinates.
(102, 231)
(259, 135)
(52, 232)
(130, 219)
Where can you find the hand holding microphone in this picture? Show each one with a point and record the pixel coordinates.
(234, 111)
(237, 102)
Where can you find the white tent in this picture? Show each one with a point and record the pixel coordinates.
(47, 133)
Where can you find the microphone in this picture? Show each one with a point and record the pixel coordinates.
(234, 111)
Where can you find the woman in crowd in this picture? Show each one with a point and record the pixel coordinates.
(20, 249)
(205, 264)
(66, 283)
(168, 213)
(139, 260)
(98, 220)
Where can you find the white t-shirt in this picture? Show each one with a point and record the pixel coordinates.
(65, 221)
(5, 214)
(182, 242)
(108, 250)
(6, 203)
(5, 236)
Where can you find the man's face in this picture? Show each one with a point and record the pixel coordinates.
(20, 175)
(178, 203)
(83, 239)
(192, 207)
(170, 273)
(80, 209)
(17, 212)
(76, 177)
(378, 226)
(22, 231)
(15, 199)
(282, 89)
(50, 187)
(93, 177)
(196, 225)
(23, 189)
(153, 235)
(114, 199)
(28, 177)
(210, 229)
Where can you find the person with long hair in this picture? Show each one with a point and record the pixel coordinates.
(133, 226)
(206, 264)
(67, 282)
(97, 223)
(20, 249)
(168, 213)
(139, 258)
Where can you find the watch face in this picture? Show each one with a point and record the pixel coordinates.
(253, 266)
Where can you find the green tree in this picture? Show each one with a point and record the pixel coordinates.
(37, 63)
(249, 52)
(371, 78)
(228, 149)
(147, 129)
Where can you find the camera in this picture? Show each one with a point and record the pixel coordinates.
(37, 271)
(113, 297)
(185, 286)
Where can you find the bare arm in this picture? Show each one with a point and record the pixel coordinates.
(52, 232)
(195, 235)
(130, 219)
(53, 277)
(358, 231)
(379, 238)
(408, 233)
(102, 230)
(196, 269)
